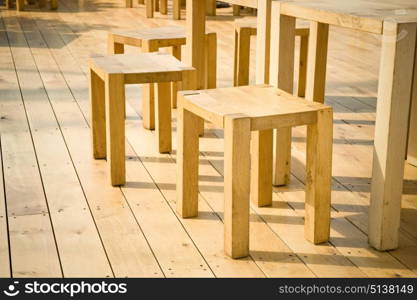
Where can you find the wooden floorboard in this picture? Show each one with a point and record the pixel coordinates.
(32, 242)
(4, 234)
(134, 231)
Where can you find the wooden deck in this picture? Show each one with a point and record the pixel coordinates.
(59, 216)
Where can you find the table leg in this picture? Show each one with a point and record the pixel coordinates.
(196, 38)
(176, 9)
(261, 170)
(282, 76)
(211, 7)
(149, 8)
(211, 61)
(394, 94)
(412, 134)
(98, 115)
(236, 10)
(317, 61)
(20, 4)
(175, 86)
(54, 4)
(263, 41)
(164, 7)
(148, 91)
(236, 185)
(242, 56)
(163, 116)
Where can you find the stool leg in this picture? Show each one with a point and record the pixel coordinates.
(98, 115)
(261, 167)
(20, 4)
(163, 7)
(210, 7)
(211, 61)
(54, 4)
(236, 10)
(149, 8)
(319, 177)
(129, 3)
(412, 127)
(41, 3)
(148, 98)
(115, 127)
(187, 164)
(282, 163)
(236, 185)
(113, 47)
(189, 82)
(242, 53)
(141, 1)
(302, 73)
(156, 5)
(175, 86)
(163, 124)
(177, 10)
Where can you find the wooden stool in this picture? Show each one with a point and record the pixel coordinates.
(150, 40)
(244, 29)
(108, 76)
(161, 6)
(246, 113)
(20, 4)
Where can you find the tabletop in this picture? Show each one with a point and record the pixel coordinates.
(365, 15)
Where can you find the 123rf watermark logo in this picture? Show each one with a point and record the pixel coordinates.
(62, 288)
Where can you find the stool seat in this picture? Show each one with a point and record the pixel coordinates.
(141, 67)
(266, 106)
(165, 36)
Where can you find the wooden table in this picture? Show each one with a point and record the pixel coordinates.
(396, 22)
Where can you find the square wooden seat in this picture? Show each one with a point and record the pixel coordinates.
(108, 76)
(246, 114)
(167, 36)
(151, 40)
(247, 27)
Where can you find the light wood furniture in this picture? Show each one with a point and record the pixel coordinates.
(396, 23)
(237, 110)
(108, 76)
(236, 4)
(20, 4)
(161, 6)
(247, 27)
(151, 40)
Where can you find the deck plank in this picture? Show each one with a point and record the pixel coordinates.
(4, 234)
(32, 242)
